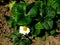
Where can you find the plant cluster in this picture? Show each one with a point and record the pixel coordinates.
(33, 19)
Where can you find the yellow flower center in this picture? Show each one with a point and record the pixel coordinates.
(25, 28)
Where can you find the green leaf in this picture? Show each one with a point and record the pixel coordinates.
(15, 34)
(52, 3)
(15, 41)
(58, 21)
(55, 4)
(50, 13)
(18, 11)
(33, 12)
(42, 12)
(24, 41)
(52, 32)
(47, 24)
(21, 43)
(38, 3)
(58, 6)
(25, 21)
(17, 17)
(11, 23)
(42, 9)
(37, 32)
(32, 30)
(38, 26)
(19, 8)
(28, 7)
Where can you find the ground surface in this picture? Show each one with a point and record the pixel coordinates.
(5, 31)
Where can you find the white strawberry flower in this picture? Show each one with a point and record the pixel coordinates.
(24, 30)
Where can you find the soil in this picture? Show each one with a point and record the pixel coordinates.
(5, 31)
(4, 28)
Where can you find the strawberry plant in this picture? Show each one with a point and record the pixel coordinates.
(33, 19)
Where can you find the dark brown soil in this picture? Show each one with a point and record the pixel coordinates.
(4, 28)
(5, 32)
